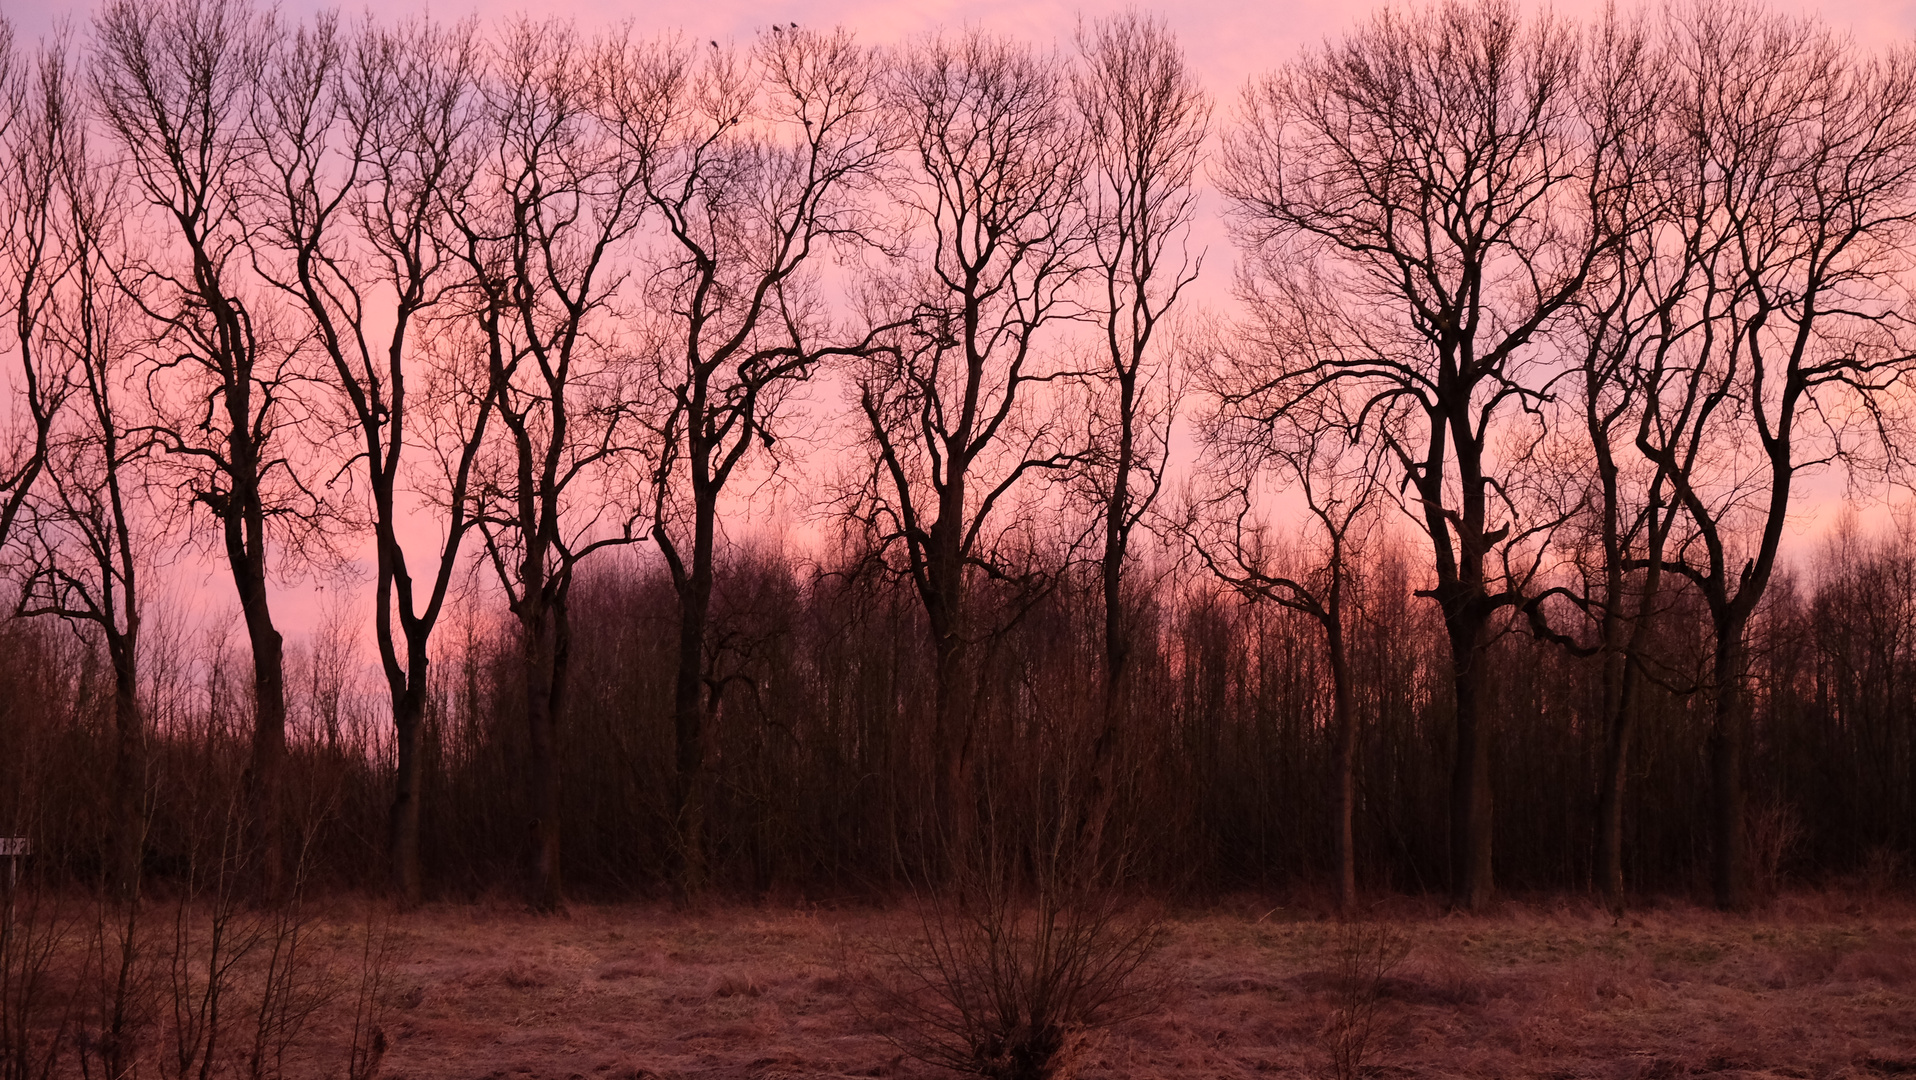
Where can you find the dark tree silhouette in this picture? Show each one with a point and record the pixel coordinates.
(1626, 511)
(1432, 168)
(31, 260)
(993, 235)
(1338, 473)
(1791, 175)
(82, 537)
(175, 84)
(1604, 309)
(1144, 122)
(760, 158)
(541, 229)
(366, 142)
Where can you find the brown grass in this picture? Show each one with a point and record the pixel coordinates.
(1812, 988)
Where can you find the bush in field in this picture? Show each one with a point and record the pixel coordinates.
(1029, 949)
(1014, 986)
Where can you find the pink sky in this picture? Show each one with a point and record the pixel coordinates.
(1228, 40)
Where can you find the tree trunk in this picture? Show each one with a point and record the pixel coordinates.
(545, 891)
(1729, 854)
(952, 797)
(1616, 755)
(263, 773)
(1117, 644)
(129, 769)
(1343, 770)
(1622, 714)
(688, 702)
(409, 708)
(951, 747)
(243, 514)
(1620, 676)
(1470, 807)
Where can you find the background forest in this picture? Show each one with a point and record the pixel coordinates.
(1478, 537)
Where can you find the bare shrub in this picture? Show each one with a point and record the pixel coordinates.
(1013, 988)
(291, 990)
(1772, 831)
(120, 979)
(1365, 953)
(1884, 868)
(33, 1019)
(237, 982)
(1021, 960)
(206, 984)
(211, 937)
(374, 995)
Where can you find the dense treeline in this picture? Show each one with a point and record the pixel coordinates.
(1482, 503)
(822, 788)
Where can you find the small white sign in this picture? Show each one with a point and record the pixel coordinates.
(15, 846)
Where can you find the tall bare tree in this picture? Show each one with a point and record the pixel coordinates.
(1144, 120)
(1792, 191)
(31, 263)
(175, 83)
(1433, 168)
(993, 243)
(765, 159)
(84, 544)
(365, 142)
(1620, 318)
(544, 229)
(1325, 458)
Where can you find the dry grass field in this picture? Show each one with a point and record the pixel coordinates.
(1812, 987)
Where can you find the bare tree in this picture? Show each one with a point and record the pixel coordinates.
(175, 83)
(1793, 165)
(1145, 119)
(760, 171)
(31, 264)
(1431, 169)
(1321, 455)
(83, 540)
(994, 235)
(365, 142)
(1618, 320)
(541, 230)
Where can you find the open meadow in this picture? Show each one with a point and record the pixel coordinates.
(1814, 986)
